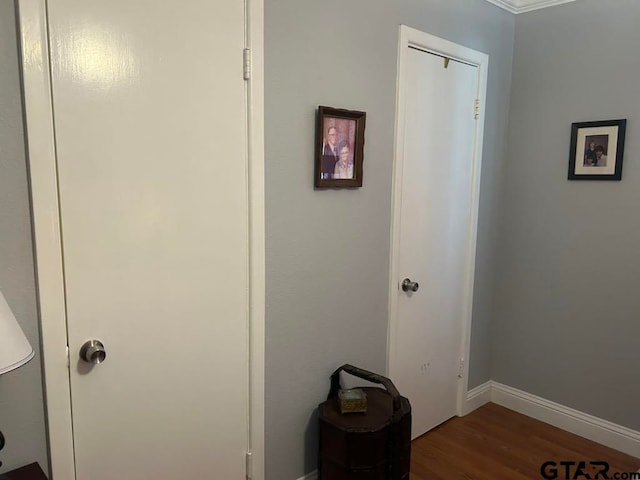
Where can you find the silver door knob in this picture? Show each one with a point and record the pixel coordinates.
(409, 286)
(93, 351)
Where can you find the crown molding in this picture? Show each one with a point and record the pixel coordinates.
(522, 6)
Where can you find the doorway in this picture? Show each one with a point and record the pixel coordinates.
(146, 172)
(441, 89)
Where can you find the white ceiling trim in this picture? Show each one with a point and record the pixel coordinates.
(521, 6)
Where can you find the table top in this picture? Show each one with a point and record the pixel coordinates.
(28, 472)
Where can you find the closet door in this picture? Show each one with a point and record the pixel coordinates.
(436, 241)
(150, 127)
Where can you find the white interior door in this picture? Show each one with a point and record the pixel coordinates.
(434, 234)
(149, 112)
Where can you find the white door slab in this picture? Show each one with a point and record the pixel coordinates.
(150, 128)
(434, 241)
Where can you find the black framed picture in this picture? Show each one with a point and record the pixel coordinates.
(339, 147)
(597, 150)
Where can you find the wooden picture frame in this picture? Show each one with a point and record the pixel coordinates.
(597, 149)
(339, 148)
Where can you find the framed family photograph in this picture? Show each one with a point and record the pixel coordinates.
(597, 149)
(339, 147)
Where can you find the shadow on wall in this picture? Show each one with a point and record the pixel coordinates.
(311, 442)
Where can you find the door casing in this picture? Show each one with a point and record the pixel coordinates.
(41, 150)
(410, 37)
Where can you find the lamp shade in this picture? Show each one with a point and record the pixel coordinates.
(15, 350)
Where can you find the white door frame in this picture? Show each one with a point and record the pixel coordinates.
(410, 37)
(41, 149)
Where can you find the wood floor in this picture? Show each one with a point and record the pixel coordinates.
(494, 443)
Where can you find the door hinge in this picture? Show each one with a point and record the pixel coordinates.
(476, 109)
(68, 359)
(246, 64)
(249, 466)
(461, 368)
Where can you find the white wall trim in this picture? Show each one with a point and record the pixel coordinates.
(257, 255)
(415, 38)
(596, 429)
(478, 397)
(310, 476)
(41, 152)
(508, 5)
(522, 6)
(593, 428)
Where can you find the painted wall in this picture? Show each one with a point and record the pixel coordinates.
(328, 251)
(21, 405)
(566, 325)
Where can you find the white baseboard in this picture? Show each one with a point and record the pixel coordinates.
(478, 396)
(310, 476)
(596, 429)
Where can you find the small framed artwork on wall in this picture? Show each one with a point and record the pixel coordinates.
(339, 147)
(597, 150)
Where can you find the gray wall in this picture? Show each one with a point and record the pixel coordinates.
(21, 406)
(566, 325)
(328, 251)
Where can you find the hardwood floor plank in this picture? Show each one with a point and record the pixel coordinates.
(494, 443)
